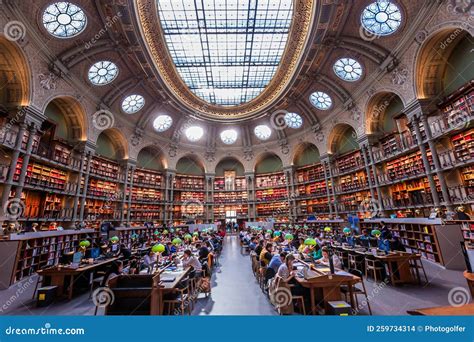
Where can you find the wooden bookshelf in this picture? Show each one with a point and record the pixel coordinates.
(412, 193)
(230, 197)
(458, 105)
(350, 203)
(432, 238)
(406, 166)
(145, 212)
(146, 194)
(348, 162)
(23, 255)
(351, 182)
(273, 209)
(310, 173)
(104, 168)
(312, 189)
(101, 188)
(240, 184)
(189, 182)
(467, 228)
(270, 180)
(315, 206)
(467, 176)
(270, 194)
(220, 210)
(143, 177)
(463, 146)
(125, 233)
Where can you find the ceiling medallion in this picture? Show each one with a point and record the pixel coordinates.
(302, 22)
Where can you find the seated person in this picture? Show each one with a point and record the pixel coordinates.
(266, 254)
(285, 271)
(277, 260)
(383, 245)
(325, 259)
(301, 247)
(259, 249)
(115, 269)
(253, 244)
(169, 249)
(125, 252)
(203, 252)
(190, 260)
(150, 261)
(314, 252)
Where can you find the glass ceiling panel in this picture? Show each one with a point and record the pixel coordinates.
(226, 51)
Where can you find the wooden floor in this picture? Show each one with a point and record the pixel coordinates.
(236, 292)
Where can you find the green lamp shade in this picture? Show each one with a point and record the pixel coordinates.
(134, 236)
(289, 237)
(84, 243)
(171, 230)
(165, 231)
(305, 226)
(156, 232)
(158, 248)
(188, 237)
(195, 234)
(376, 232)
(347, 230)
(114, 239)
(177, 241)
(269, 231)
(327, 229)
(297, 226)
(277, 233)
(310, 242)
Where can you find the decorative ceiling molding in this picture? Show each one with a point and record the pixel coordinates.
(304, 14)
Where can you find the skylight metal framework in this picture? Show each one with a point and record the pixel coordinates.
(226, 51)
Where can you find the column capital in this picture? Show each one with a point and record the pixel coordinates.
(31, 115)
(419, 108)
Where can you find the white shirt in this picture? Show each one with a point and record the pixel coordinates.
(192, 261)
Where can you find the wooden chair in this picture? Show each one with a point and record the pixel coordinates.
(95, 279)
(183, 300)
(415, 265)
(374, 267)
(356, 290)
(279, 284)
(356, 261)
(38, 281)
(255, 265)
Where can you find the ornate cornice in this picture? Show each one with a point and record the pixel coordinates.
(303, 16)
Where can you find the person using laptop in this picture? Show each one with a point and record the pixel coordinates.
(190, 260)
(114, 270)
(325, 259)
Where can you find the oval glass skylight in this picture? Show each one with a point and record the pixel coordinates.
(64, 19)
(229, 136)
(293, 120)
(381, 18)
(194, 133)
(348, 69)
(102, 72)
(226, 51)
(263, 132)
(133, 104)
(162, 123)
(321, 100)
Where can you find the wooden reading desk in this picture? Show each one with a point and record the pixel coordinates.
(58, 275)
(465, 310)
(324, 286)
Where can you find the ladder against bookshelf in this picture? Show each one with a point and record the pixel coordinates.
(432, 238)
(25, 254)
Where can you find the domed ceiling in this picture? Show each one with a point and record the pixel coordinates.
(226, 60)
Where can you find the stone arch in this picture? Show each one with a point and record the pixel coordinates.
(118, 141)
(15, 75)
(74, 116)
(154, 151)
(341, 133)
(376, 109)
(431, 59)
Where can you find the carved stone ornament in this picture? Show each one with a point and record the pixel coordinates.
(356, 113)
(49, 81)
(320, 136)
(285, 149)
(421, 36)
(136, 140)
(248, 154)
(172, 151)
(400, 75)
(210, 156)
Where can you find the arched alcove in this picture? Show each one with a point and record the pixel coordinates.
(268, 163)
(229, 164)
(444, 63)
(151, 158)
(342, 139)
(383, 111)
(306, 154)
(112, 144)
(190, 165)
(14, 76)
